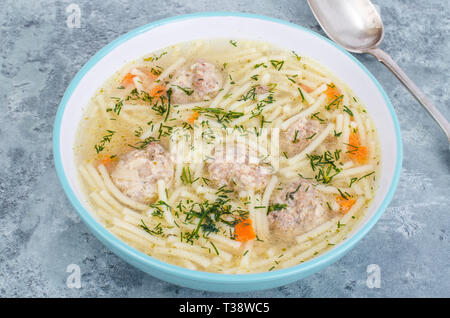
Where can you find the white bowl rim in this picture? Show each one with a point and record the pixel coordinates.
(145, 261)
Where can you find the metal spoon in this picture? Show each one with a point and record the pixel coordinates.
(356, 25)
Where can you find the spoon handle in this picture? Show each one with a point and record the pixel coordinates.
(386, 59)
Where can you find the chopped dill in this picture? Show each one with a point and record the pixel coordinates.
(335, 102)
(277, 64)
(105, 139)
(186, 176)
(219, 114)
(155, 58)
(290, 195)
(188, 91)
(342, 194)
(276, 207)
(298, 57)
(301, 94)
(315, 115)
(251, 94)
(295, 137)
(348, 111)
(215, 248)
(157, 230)
(259, 65)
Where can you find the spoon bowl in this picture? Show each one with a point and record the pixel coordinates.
(356, 25)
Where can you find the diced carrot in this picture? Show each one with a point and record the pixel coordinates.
(106, 160)
(306, 88)
(157, 91)
(355, 150)
(359, 154)
(192, 118)
(332, 91)
(128, 79)
(345, 204)
(244, 231)
(353, 139)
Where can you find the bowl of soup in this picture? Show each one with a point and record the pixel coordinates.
(227, 152)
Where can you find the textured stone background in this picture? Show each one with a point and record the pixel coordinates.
(40, 233)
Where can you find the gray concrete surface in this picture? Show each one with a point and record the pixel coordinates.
(40, 233)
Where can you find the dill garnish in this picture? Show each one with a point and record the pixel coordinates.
(353, 180)
(260, 64)
(342, 194)
(290, 195)
(348, 111)
(231, 80)
(276, 207)
(105, 139)
(143, 143)
(291, 79)
(315, 115)
(186, 176)
(219, 114)
(154, 58)
(157, 230)
(209, 215)
(325, 166)
(251, 94)
(295, 137)
(188, 91)
(301, 94)
(277, 64)
(138, 132)
(298, 57)
(369, 174)
(335, 102)
(215, 249)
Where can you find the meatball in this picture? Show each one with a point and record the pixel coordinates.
(240, 170)
(200, 81)
(297, 209)
(298, 135)
(138, 171)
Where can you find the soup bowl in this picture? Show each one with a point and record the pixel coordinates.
(163, 33)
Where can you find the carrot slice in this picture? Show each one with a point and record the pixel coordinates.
(360, 155)
(345, 204)
(306, 88)
(106, 160)
(192, 118)
(157, 91)
(332, 91)
(353, 139)
(128, 79)
(244, 231)
(356, 151)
